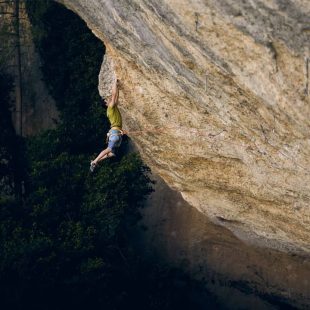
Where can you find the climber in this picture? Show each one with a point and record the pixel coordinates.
(114, 136)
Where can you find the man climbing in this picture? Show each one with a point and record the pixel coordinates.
(115, 133)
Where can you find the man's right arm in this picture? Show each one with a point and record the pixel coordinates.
(115, 91)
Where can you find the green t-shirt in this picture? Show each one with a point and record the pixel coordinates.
(114, 116)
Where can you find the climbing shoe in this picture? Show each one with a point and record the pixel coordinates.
(92, 167)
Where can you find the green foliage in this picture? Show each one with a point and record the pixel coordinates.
(118, 187)
(7, 135)
(63, 239)
(11, 146)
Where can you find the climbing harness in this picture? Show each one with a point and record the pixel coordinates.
(110, 134)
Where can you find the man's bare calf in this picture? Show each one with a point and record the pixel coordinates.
(103, 155)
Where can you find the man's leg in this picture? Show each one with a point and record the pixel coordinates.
(108, 152)
(101, 156)
(106, 156)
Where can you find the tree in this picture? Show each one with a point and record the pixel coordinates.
(11, 146)
(10, 35)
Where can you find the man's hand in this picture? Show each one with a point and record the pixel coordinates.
(118, 83)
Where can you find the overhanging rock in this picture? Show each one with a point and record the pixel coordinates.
(227, 84)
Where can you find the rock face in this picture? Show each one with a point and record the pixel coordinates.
(216, 96)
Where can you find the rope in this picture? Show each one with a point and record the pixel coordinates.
(196, 130)
(210, 135)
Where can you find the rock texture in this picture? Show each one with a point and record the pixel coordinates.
(219, 90)
(39, 108)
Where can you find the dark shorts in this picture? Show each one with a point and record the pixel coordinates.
(115, 140)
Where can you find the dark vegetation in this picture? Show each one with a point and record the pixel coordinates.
(10, 145)
(63, 232)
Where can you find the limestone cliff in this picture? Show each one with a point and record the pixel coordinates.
(225, 83)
